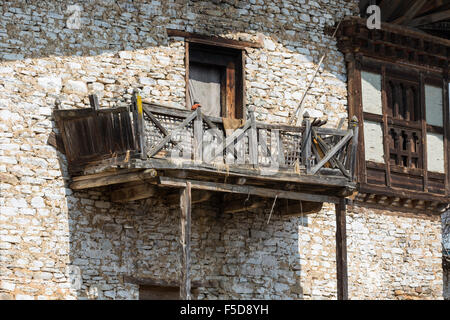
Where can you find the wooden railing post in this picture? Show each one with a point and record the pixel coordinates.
(198, 136)
(354, 125)
(138, 118)
(93, 100)
(253, 140)
(306, 143)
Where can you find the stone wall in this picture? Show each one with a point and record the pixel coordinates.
(446, 253)
(55, 243)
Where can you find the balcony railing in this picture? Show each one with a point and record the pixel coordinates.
(151, 132)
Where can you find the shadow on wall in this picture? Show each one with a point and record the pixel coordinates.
(446, 253)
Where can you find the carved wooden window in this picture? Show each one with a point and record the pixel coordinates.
(404, 117)
(405, 128)
(215, 80)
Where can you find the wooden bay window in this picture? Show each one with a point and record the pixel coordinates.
(404, 128)
(398, 87)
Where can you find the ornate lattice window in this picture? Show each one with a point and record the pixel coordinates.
(404, 127)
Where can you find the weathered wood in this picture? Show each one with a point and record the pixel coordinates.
(198, 136)
(237, 206)
(236, 135)
(280, 151)
(196, 198)
(82, 113)
(230, 92)
(247, 172)
(93, 100)
(306, 143)
(56, 141)
(253, 140)
(290, 208)
(140, 125)
(325, 148)
(262, 192)
(169, 137)
(155, 121)
(411, 12)
(187, 74)
(215, 41)
(113, 179)
(132, 193)
(341, 251)
(332, 152)
(354, 125)
(185, 206)
(431, 18)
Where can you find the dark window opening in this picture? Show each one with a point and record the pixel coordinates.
(147, 292)
(216, 80)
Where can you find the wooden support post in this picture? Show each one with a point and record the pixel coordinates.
(185, 205)
(341, 251)
(306, 143)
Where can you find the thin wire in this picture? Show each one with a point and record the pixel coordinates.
(301, 106)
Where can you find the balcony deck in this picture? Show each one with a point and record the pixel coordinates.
(168, 147)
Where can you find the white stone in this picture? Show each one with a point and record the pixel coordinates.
(269, 44)
(7, 285)
(76, 87)
(51, 84)
(37, 202)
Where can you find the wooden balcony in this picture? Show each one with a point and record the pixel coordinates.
(149, 151)
(167, 147)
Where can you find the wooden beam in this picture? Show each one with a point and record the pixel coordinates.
(341, 251)
(236, 206)
(214, 41)
(388, 7)
(247, 172)
(262, 192)
(298, 208)
(196, 198)
(185, 206)
(431, 18)
(411, 12)
(133, 193)
(113, 179)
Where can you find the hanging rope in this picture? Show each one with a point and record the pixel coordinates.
(271, 210)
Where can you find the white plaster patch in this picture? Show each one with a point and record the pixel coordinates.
(435, 152)
(373, 141)
(371, 92)
(433, 103)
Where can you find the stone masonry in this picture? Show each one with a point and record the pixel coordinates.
(60, 244)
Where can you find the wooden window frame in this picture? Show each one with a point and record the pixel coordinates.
(358, 63)
(234, 96)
